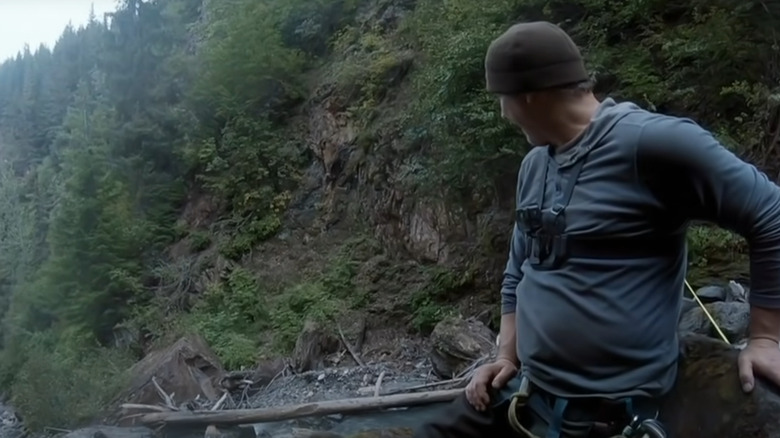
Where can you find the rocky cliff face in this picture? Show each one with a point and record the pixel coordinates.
(361, 171)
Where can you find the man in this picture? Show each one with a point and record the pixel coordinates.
(593, 287)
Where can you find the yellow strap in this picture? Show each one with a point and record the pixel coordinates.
(712, 320)
(519, 400)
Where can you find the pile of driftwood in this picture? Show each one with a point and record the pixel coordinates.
(459, 348)
(195, 413)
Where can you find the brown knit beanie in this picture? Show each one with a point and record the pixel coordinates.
(531, 57)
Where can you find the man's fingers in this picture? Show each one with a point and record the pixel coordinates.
(474, 398)
(475, 392)
(745, 365)
(503, 376)
(471, 395)
(482, 397)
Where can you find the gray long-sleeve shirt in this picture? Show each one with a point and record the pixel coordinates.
(608, 327)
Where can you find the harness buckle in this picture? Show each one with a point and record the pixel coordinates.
(648, 428)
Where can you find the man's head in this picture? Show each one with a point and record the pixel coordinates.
(537, 71)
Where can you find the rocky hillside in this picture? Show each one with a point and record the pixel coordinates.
(241, 169)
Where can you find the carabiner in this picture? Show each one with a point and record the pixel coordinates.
(649, 428)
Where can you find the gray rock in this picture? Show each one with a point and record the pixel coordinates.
(736, 292)
(687, 305)
(694, 321)
(456, 343)
(732, 317)
(709, 294)
(314, 344)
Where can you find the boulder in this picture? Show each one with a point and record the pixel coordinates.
(687, 304)
(313, 345)
(708, 400)
(187, 369)
(456, 343)
(709, 294)
(733, 318)
(263, 374)
(736, 292)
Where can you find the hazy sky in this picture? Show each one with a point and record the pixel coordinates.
(42, 21)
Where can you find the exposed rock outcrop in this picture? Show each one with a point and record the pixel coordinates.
(457, 343)
(187, 369)
(313, 345)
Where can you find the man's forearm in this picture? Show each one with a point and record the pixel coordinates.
(507, 338)
(764, 323)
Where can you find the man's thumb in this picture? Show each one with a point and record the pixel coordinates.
(746, 373)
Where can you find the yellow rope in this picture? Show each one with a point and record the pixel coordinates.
(712, 320)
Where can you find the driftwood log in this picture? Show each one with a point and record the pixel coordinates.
(346, 406)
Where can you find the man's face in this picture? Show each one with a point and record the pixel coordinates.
(516, 111)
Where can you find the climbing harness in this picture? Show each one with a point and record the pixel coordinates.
(547, 246)
(649, 428)
(519, 400)
(638, 427)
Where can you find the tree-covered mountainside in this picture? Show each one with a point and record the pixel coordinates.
(237, 167)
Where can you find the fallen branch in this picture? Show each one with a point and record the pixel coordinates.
(168, 399)
(378, 385)
(469, 371)
(351, 350)
(219, 402)
(456, 383)
(281, 413)
(144, 407)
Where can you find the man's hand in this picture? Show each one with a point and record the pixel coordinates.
(761, 356)
(495, 374)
